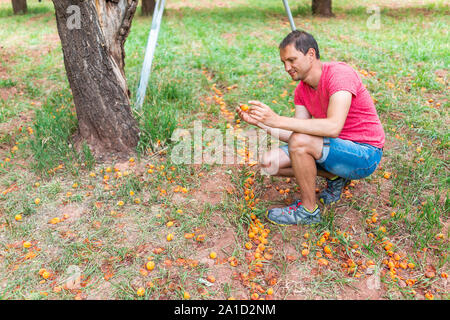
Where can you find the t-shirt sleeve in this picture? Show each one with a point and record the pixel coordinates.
(343, 77)
(298, 100)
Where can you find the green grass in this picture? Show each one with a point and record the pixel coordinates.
(233, 45)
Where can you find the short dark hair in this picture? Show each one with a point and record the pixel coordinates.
(302, 40)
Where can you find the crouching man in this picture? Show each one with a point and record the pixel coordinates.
(336, 132)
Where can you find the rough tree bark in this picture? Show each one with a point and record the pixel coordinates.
(94, 60)
(147, 7)
(19, 6)
(322, 8)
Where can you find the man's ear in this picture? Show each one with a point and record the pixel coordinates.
(311, 53)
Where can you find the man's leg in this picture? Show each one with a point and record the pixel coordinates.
(278, 163)
(304, 150)
(289, 172)
(274, 161)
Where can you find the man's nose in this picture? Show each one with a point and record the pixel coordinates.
(287, 67)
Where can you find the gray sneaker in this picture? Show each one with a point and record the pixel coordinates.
(333, 191)
(293, 215)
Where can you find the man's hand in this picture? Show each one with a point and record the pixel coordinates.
(245, 116)
(262, 113)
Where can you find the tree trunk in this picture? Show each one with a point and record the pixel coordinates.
(322, 8)
(19, 6)
(147, 7)
(94, 60)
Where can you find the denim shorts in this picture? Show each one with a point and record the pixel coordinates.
(347, 159)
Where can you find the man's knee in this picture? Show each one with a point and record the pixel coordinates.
(299, 142)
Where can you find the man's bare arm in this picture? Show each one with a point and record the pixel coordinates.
(330, 126)
(300, 113)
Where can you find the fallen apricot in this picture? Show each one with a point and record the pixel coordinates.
(140, 292)
(189, 235)
(323, 262)
(150, 265)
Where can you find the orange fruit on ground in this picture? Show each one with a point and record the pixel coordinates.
(143, 272)
(200, 238)
(169, 237)
(268, 256)
(248, 245)
(27, 244)
(213, 255)
(327, 249)
(211, 279)
(18, 217)
(254, 296)
(305, 252)
(150, 265)
(323, 262)
(140, 292)
(186, 295)
(37, 201)
(270, 291)
(55, 221)
(188, 235)
(46, 275)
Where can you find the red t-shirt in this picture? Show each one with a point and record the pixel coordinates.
(362, 123)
